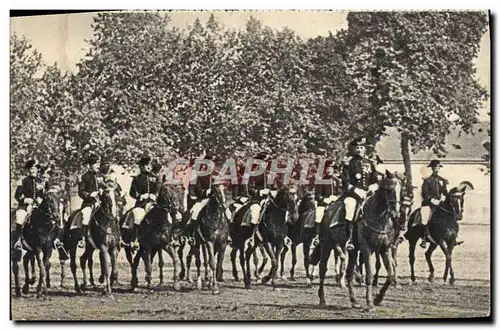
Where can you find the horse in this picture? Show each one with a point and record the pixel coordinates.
(374, 228)
(400, 227)
(160, 229)
(443, 229)
(213, 232)
(39, 232)
(273, 230)
(299, 232)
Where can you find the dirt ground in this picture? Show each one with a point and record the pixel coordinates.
(469, 297)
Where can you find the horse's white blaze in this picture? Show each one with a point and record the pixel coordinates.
(223, 194)
(397, 189)
(113, 203)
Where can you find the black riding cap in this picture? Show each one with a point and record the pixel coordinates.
(93, 159)
(145, 160)
(30, 163)
(330, 163)
(359, 142)
(435, 163)
(263, 156)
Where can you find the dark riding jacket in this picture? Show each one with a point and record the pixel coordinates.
(325, 190)
(89, 182)
(29, 187)
(144, 183)
(433, 187)
(359, 173)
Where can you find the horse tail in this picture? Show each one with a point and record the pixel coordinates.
(315, 255)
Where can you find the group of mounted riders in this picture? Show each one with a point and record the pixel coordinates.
(351, 181)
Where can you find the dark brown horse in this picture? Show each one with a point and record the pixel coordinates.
(443, 229)
(299, 232)
(214, 231)
(37, 239)
(160, 230)
(374, 228)
(273, 230)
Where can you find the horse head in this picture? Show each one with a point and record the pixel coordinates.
(50, 205)
(171, 198)
(454, 202)
(390, 188)
(217, 193)
(307, 201)
(287, 201)
(108, 198)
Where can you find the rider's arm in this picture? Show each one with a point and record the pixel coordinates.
(19, 194)
(346, 178)
(133, 189)
(82, 189)
(426, 193)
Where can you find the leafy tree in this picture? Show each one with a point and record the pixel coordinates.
(417, 68)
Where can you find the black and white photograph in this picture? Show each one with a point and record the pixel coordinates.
(250, 165)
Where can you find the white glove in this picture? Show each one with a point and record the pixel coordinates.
(209, 190)
(373, 187)
(178, 216)
(435, 201)
(39, 200)
(264, 191)
(152, 196)
(144, 196)
(360, 192)
(94, 194)
(443, 198)
(28, 200)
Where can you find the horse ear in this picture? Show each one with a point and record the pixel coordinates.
(388, 173)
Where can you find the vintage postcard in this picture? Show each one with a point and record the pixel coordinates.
(250, 165)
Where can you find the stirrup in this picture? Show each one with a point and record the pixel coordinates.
(58, 244)
(423, 244)
(315, 241)
(18, 245)
(349, 246)
(81, 244)
(135, 245)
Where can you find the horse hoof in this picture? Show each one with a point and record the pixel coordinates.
(452, 281)
(292, 278)
(177, 286)
(32, 280)
(148, 286)
(370, 309)
(283, 278)
(308, 282)
(161, 283)
(236, 279)
(375, 283)
(134, 282)
(355, 305)
(265, 279)
(342, 285)
(18, 292)
(258, 281)
(378, 300)
(322, 302)
(48, 285)
(101, 279)
(216, 291)
(26, 289)
(431, 278)
(198, 283)
(182, 274)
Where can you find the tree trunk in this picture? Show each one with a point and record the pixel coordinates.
(405, 152)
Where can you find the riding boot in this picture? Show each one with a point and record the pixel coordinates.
(350, 228)
(16, 235)
(85, 233)
(423, 244)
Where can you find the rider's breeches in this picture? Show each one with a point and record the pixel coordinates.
(426, 213)
(320, 211)
(255, 213)
(21, 216)
(86, 212)
(139, 213)
(350, 208)
(195, 210)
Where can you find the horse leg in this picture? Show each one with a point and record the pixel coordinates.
(342, 266)
(146, 258)
(368, 278)
(73, 267)
(294, 261)
(428, 255)
(62, 263)
(113, 254)
(265, 259)
(234, 252)
(388, 264)
(175, 261)
(255, 257)
(26, 263)
(105, 261)
(205, 261)
(274, 264)
(351, 264)
(15, 269)
(211, 255)
(134, 282)
(83, 262)
(305, 252)
(189, 258)
(412, 245)
(160, 263)
(447, 249)
(33, 269)
(378, 265)
(46, 262)
(394, 252)
(326, 250)
(220, 260)
(41, 289)
(282, 262)
(180, 255)
(246, 270)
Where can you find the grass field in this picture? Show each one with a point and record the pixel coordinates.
(469, 297)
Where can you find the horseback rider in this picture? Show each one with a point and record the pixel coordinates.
(434, 191)
(89, 187)
(358, 178)
(199, 191)
(239, 191)
(326, 193)
(260, 194)
(144, 189)
(29, 194)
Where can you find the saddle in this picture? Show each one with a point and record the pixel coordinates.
(334, 214)
(310, 217)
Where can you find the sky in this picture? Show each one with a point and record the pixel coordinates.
(51, 34)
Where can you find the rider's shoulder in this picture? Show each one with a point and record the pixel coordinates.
(20, 182)
(444, 180)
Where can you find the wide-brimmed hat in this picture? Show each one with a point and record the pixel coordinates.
(30, 163)
(93, 159)
(144, 160)
(435, 163)
(361, 141)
